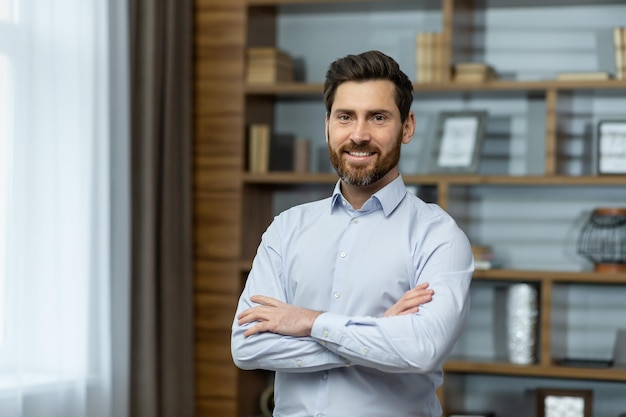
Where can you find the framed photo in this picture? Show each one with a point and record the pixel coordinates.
(564, 402)
(458, 140)
(611, 147)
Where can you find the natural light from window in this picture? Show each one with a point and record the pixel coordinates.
(7, 10)
(4, 161)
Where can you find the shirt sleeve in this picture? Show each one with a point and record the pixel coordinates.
(410, 343)
(267, 350)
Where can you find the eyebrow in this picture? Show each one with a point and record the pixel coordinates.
(369, 112)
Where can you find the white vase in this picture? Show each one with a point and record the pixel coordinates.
(522, 313)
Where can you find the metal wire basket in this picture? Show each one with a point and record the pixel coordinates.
(603, 239)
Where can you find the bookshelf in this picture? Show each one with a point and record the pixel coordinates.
(534, 184)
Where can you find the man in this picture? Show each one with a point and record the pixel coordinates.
(356, 300)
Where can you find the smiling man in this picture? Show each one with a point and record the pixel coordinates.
(356, 300)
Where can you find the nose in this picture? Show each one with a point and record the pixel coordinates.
(361, 133)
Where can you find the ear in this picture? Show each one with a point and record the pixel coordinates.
(326, 127)
(408, 129)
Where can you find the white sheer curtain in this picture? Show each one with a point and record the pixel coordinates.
(61, 82)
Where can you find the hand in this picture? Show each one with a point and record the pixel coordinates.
(275, 316)
(411, 300)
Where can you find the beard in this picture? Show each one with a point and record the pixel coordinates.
(364, 175)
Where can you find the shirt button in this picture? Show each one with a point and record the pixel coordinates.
(366, 351)
(325, 333)
(325, 375)
(299, 363)
(348, 364)
(342, 254)
(355, 221)
(337, 294)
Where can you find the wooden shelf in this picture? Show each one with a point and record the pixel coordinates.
(296, 89)
(573, 277)
(511, 85)
(277, 178)
(287, 2)
(234, 203)
(433, 3)
(550, 276)
(503, 368)
(316, 89)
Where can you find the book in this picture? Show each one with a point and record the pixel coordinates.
(258, 147)
(266, 51)
(281, 152)
(473, 72)
(268, 65)
(463, 67)
(301, 155)
(579, 76)
(268, 76)
(429, 57)
(422, 55)
(622, 53)
(473, 78)
(619, 38)
(437, 67)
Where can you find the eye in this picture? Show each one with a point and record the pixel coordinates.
(343, 117)
(379, 118)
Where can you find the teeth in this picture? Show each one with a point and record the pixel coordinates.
(360, 153)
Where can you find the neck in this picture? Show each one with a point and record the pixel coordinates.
(357, 195)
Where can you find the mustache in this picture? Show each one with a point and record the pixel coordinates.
(359, 148)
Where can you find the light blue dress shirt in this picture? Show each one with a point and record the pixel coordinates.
(353, 265)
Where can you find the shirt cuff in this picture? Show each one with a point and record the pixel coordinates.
(329, 329)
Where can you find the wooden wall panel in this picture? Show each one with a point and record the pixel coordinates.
(218, 140)
(217, 226)
(216, 407)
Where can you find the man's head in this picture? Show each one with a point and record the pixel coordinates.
(371, 65)
(368, 118)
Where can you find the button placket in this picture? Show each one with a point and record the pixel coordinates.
(346, 243)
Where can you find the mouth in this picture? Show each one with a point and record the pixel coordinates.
(360, 154)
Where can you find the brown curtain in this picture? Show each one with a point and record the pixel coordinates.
(162, 377)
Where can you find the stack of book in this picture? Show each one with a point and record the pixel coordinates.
(430, 58)
(268, 65)
(619, 41)
(483, 257)
(473, 72)
(276, 152)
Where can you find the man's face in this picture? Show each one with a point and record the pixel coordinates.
(364, 132)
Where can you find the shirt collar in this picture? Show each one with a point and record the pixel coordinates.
(388, 197)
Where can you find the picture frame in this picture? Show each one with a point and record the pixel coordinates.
(610, 152)
(458, 141)
(553, 402)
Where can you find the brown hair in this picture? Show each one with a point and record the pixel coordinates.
(371, 65)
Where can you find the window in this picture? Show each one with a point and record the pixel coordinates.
(8, 15)
(55, 330)
(7, 10)
(5, 97)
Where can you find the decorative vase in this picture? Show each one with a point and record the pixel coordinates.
(522, 313)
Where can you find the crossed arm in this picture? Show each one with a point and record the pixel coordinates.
(414, 334)
(278, 317)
